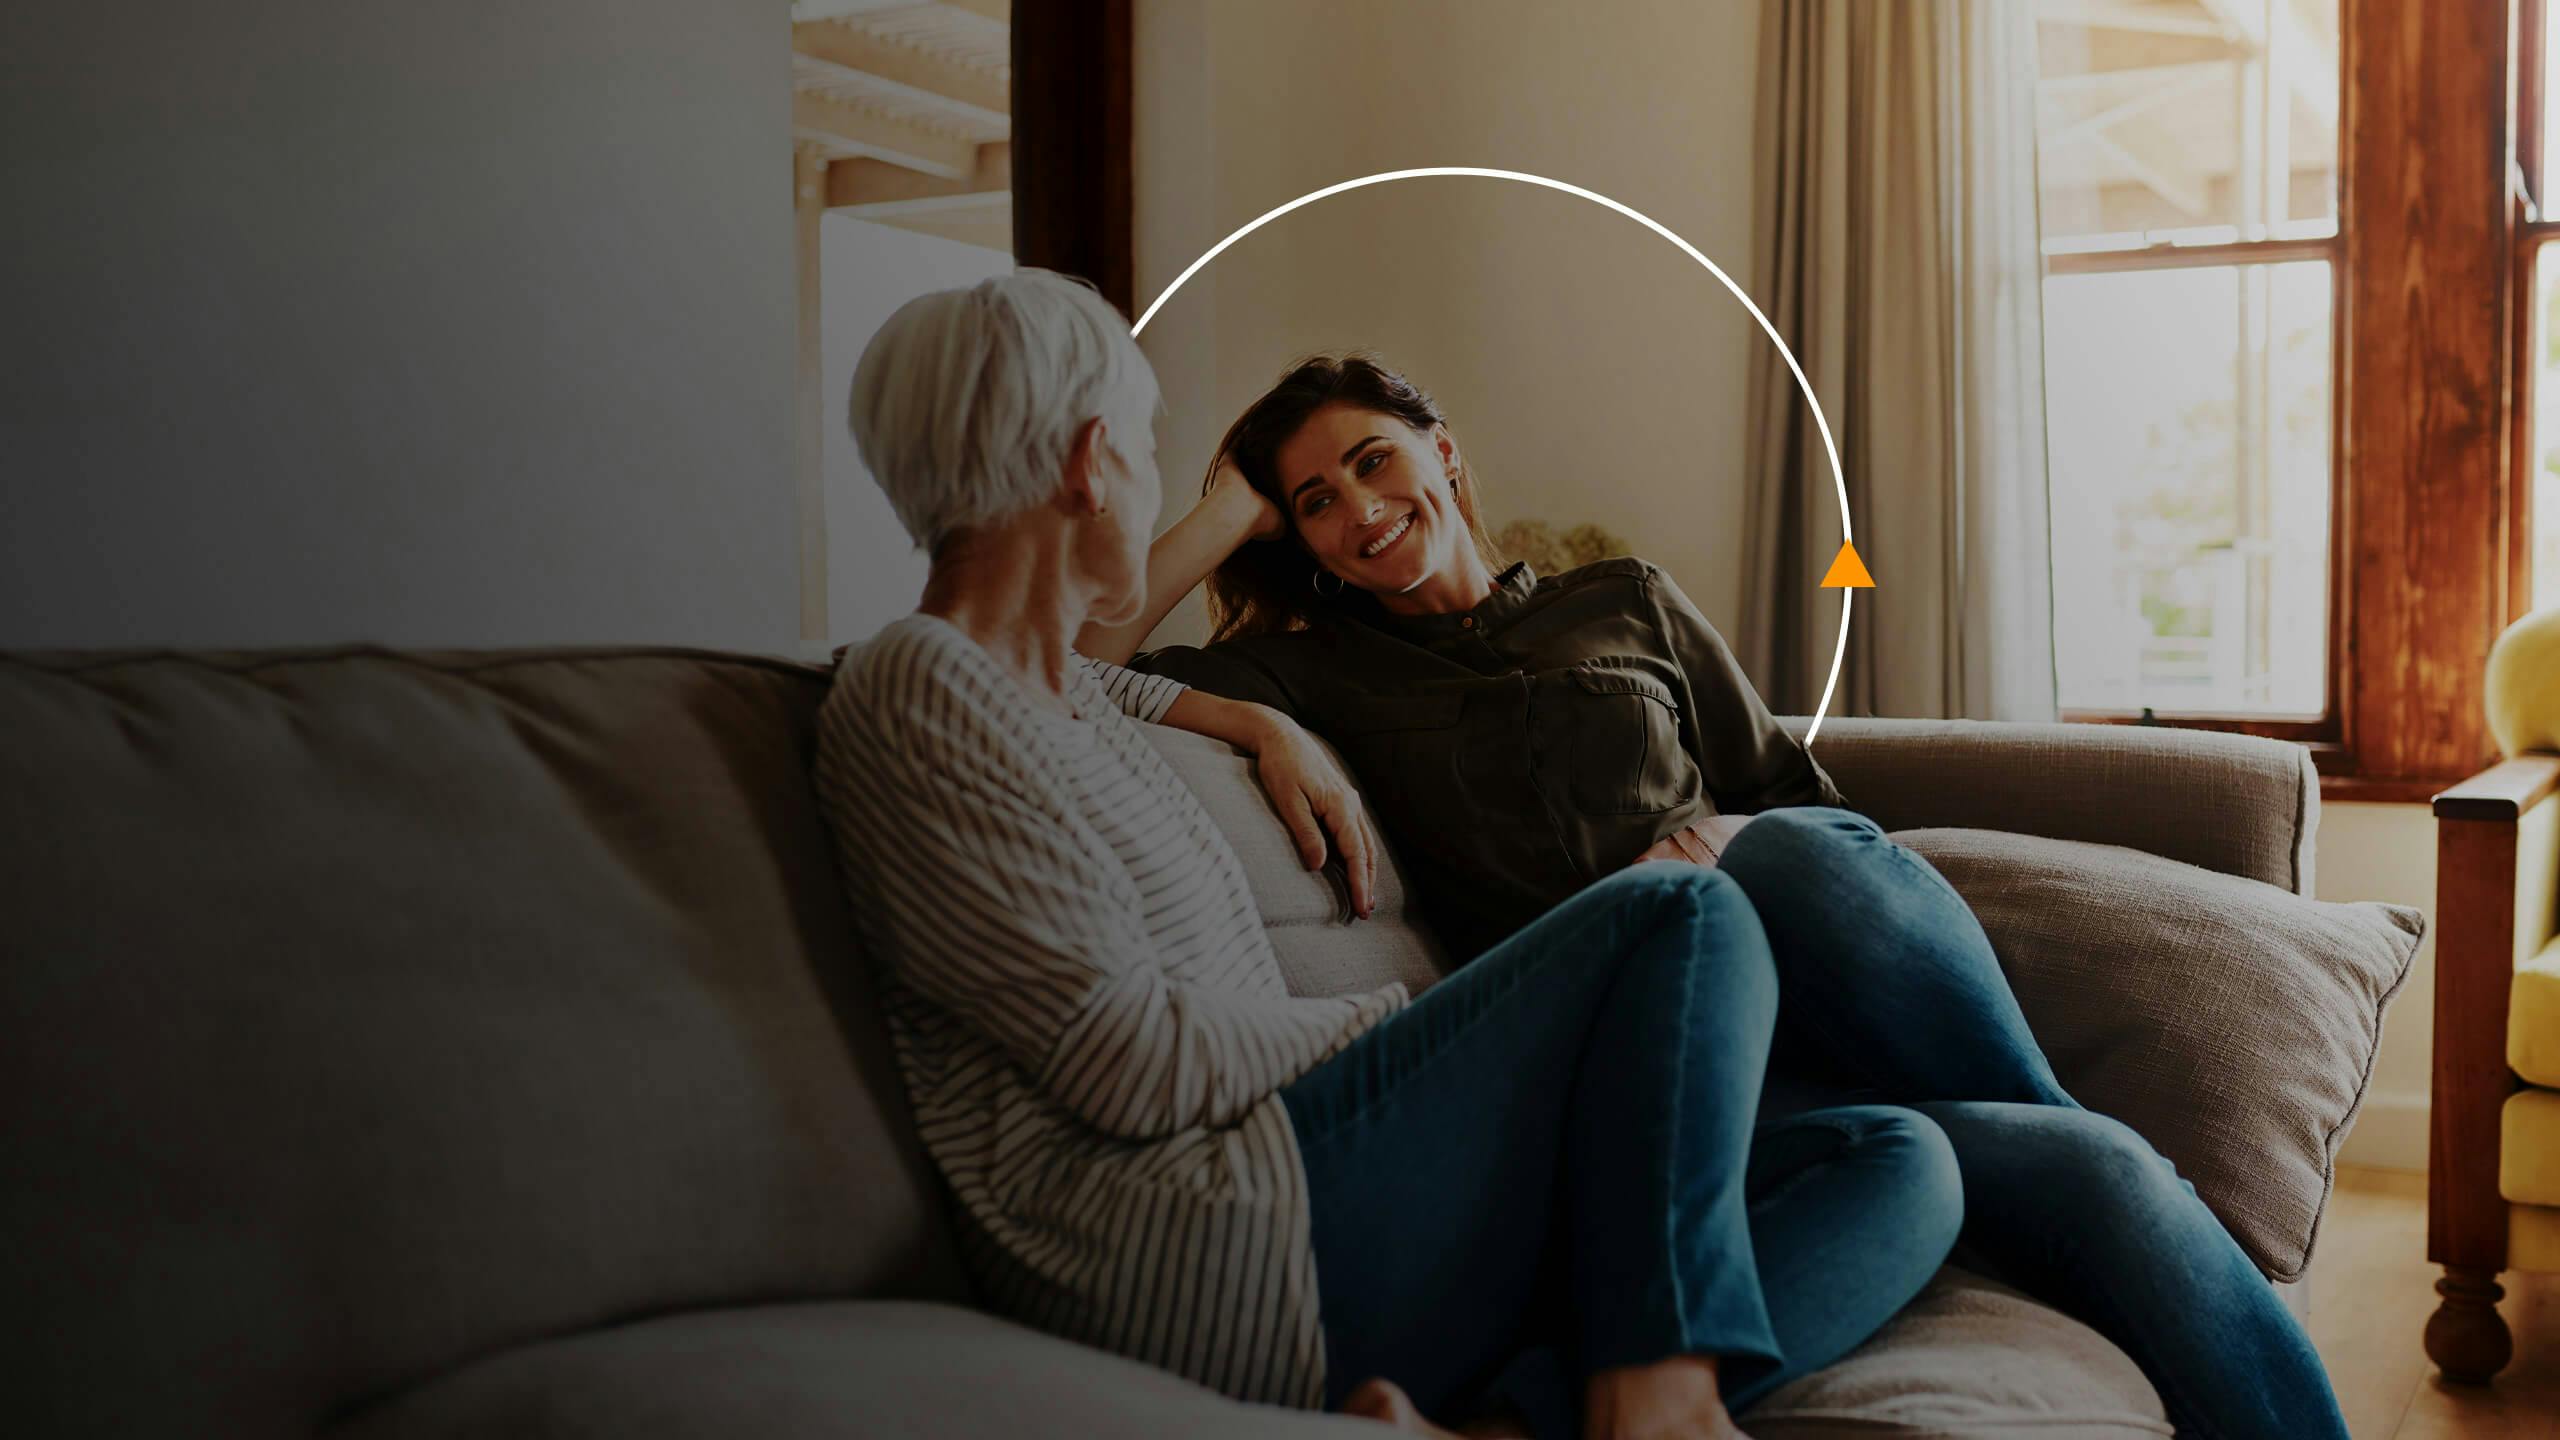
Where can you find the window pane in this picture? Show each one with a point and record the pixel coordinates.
(2545, 201)
(2188, 416)
(2546, 434)
(2195, 121)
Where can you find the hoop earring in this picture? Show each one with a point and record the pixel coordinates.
(1316, 579)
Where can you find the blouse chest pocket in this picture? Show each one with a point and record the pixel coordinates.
(1611, 735)
(1397, 746)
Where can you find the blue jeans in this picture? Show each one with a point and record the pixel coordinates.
(1552, 1163)
(1889, 990)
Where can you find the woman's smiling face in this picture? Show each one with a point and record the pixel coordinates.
(1373, 499)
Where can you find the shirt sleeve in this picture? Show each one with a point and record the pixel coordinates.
(1750, 762)
(1005, 911)
(1140, 697)
(1223, 670)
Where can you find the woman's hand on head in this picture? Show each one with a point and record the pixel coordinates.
(1315, 798)
(1228, 486)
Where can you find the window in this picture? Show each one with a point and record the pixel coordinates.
(902, 133)
(2188, 197)
(2538, 487)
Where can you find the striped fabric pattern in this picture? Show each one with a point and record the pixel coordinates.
(1087, 1014)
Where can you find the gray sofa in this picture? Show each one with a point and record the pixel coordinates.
(441, 1045)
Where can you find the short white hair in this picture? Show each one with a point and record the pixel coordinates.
(967, 401)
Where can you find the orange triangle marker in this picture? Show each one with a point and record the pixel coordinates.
(1848, 572)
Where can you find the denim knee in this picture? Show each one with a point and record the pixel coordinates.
(2100, 1164)
(1923, 1161)
(1666, 893)
(1671, 887)
(1801, 837)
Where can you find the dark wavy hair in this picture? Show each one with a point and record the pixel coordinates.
(1266, 588)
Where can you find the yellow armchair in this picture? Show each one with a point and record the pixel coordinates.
(2493, 1145)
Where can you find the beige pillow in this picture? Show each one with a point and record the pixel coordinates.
(2232, 1023)
(1320, 952)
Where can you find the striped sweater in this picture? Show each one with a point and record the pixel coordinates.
(1089, 1020)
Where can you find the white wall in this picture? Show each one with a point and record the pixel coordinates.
(874, 573)
(2388, 852)
(466, 323)
(1590, 370)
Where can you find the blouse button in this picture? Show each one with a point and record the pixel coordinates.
(1469, 623)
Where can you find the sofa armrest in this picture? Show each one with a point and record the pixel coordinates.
(2236, 804)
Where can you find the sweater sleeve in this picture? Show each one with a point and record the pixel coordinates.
(1750, 762)
(1140, 697)
(1004, 909)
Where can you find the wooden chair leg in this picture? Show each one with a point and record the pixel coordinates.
(2467, 1337)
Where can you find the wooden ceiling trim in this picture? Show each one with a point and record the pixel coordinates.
(840, 54)
(850, 130)
(871, 189)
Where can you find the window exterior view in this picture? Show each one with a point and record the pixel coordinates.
(2187, 168)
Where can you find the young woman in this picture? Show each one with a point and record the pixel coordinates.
(1544, 1183)
(1523, 738)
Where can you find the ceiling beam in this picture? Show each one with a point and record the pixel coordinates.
(2163, 74)
(990, 226)
(869, 189)
(898, 142)
(2311, 61)
(1000, 11)
(2118, 15)
(977, 99)
(2141, 101)
(2158, 172)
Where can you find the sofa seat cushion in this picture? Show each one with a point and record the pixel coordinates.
(1968, 1358)
(865, 1370)
(373, 1012)
(2533, 1019)
(2231, 1023)
(2529, 1148)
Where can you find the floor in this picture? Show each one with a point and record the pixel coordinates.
(2371, 1294)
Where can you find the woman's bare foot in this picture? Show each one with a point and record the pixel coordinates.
(1674, 1399)
(1382, 1399)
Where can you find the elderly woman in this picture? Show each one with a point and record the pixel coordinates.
(1540, 1189)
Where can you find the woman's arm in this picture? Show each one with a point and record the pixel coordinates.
(1233, 513)
(1307, 789)
(1750, 762)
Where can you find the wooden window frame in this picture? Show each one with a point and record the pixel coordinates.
(2533, 230)
(1074, 185)
(2321, 733)
(2431, 445)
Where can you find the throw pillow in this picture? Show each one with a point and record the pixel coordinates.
(1320, 951)
(2230, 1022)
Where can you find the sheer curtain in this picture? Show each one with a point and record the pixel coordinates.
(1895, 248)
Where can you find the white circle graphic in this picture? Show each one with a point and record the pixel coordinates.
(1830, 450)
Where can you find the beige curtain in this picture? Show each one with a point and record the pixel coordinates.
(1895, 248)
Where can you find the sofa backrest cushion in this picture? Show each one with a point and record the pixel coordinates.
(1319, 952)
(367, 1013)
(2231, 1023)
(2238, 804)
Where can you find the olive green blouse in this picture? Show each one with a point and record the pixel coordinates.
(1518, 751)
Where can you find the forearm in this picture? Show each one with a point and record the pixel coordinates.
(1179, 559)
(1240, 723)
